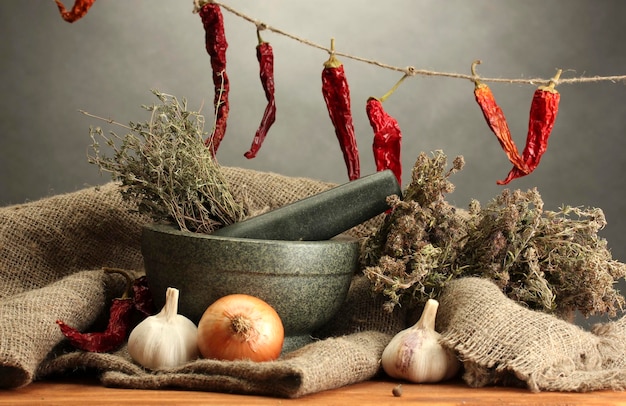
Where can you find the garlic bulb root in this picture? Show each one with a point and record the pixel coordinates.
(415, 354)
(165, 340)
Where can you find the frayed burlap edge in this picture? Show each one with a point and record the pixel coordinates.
(503, 343)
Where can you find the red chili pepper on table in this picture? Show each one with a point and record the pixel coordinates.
(543, 111)
(265, 56)
(336, 94)
(216, 45)
(387, 134)
(120, 316)
(497, 121)
(77, 12)
(142, 297)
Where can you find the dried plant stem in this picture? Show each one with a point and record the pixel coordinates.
(167, 170)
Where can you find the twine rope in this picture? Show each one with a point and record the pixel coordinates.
(411, 70)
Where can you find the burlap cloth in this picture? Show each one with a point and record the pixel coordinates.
(501, 342)
(52, 252)
(51, 256)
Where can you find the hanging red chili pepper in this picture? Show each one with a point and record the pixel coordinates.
(387, 138)
(336, 94)
(265, 56)
(497, 121)
(120, 316)
(543, 111)
(77, 12)
(216, 45)
(387, 134)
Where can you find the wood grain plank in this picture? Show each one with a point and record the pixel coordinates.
(88, 391)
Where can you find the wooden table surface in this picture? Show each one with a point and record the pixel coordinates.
(89, 392)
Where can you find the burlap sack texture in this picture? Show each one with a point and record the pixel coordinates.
(501, 342)
(51, 255)
(52, 252)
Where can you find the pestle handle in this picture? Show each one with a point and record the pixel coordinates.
(324, 215)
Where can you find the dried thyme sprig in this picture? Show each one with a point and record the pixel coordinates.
(550, 261)
(165, 168)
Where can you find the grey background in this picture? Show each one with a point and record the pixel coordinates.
(107, 62)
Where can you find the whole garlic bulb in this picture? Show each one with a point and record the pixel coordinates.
(167, 339)
(416, 355)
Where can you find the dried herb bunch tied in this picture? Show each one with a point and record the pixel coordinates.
(553, 261)
(164, 166)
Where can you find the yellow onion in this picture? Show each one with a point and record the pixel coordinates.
(238, 327)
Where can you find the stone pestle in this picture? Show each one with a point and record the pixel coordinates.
(321, 216)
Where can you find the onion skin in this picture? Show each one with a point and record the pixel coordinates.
(240, 327)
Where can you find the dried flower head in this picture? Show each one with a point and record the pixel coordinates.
(550, 261)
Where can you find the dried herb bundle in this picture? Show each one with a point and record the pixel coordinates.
(551, 261)
(165, 167)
